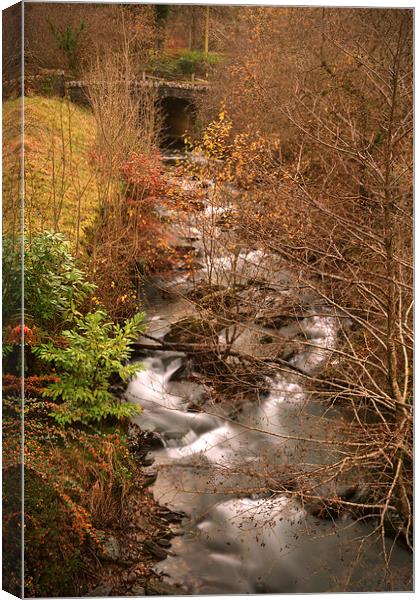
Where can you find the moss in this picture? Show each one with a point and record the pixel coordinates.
(59, 174)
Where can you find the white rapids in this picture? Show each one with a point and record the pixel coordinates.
(238, 540)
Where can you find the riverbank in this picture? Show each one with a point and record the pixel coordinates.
(139, 538)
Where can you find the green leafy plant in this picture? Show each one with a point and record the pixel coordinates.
(55, 287)
(94, 352)
(12, 279)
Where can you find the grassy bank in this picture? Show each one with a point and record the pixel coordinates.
(60, 182)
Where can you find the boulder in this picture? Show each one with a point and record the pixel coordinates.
(276, 321)
(100, 591)
(219, 300)
(204, 289)
(108, 547)
(137, 590)
(160, 588)
(278, 311)
(155, 550)
(190, 330)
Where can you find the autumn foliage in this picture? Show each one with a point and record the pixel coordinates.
(73, 480)
(130, 238)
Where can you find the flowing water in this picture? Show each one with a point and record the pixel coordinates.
(240, 535)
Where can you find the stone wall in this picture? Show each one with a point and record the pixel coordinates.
(49, 82)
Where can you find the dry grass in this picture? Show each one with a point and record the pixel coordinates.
(60, 184)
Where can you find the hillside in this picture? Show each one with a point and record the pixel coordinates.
(60, 183)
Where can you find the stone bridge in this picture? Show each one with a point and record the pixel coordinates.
(177, 101)
(181, 90)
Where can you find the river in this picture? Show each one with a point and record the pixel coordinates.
(245, 528)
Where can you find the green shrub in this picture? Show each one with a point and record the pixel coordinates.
(12, 280)
(69, 41)
(94, 352)
(187, 63)
(54, 288)
(195, 61)
(162, 65)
